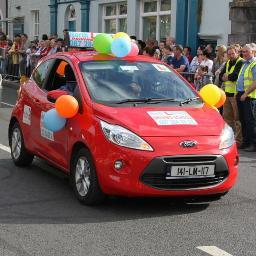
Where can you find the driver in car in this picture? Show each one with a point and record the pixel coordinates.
(135, 88)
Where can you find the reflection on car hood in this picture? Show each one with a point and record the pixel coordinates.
(164, 121)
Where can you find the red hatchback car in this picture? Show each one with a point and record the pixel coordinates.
(141, 129)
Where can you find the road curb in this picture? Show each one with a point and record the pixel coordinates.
(11, 84)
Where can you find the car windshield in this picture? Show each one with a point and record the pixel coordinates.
(124, 82)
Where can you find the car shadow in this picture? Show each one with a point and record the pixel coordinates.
(41, 194)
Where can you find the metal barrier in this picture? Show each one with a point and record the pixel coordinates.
(198, 84)
(8, 70)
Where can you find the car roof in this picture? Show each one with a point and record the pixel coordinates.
(93, 55)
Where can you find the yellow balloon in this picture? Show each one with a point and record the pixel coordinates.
(211, 94)
(121, 34)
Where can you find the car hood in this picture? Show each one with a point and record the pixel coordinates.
(163, 121)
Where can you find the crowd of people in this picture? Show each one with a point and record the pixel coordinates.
(232, 68)
(20, 56)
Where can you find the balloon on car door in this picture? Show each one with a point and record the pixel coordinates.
(53, 121)
(66, 106)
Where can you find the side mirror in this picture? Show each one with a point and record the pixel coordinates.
(52, 96)
(78, 97)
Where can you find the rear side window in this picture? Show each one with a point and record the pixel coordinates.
(41, 72)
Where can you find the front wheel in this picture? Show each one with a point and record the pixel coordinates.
(84, 179)
(21, 157)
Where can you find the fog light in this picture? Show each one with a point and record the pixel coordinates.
(118, 164)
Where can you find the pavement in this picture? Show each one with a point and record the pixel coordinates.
(39, 215)
(11, 84)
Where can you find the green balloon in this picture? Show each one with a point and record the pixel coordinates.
(102, 43)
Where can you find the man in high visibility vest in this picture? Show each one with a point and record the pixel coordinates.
(246, 99)
(229, 76)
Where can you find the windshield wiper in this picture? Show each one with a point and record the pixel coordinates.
(187, 101)
(145, 100)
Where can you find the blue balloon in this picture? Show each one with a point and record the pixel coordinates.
(52, 121)
(121, 47)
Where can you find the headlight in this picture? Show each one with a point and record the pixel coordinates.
(227, 137)
(124, 137)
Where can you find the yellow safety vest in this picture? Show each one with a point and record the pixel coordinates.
(230, 86)
(248, 78)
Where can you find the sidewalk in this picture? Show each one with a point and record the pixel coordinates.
(11, 84)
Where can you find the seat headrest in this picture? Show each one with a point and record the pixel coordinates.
(69, 73)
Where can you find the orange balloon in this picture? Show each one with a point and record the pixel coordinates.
(212, 107)
(66, 106)
(222, 99)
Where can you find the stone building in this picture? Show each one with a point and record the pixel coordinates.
(243, 21)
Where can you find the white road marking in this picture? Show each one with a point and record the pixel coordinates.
(213, 250)
(7, 104)
(3, 147)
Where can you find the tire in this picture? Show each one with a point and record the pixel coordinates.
(20, 156)
(84, 179)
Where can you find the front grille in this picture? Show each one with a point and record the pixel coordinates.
(189, 159)
(159, 181)
(155, 174)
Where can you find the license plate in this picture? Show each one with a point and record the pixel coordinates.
(190, 171)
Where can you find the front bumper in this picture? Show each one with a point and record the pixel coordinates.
(144, 176)
(155, 174)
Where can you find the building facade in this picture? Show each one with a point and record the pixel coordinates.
(189, 21)
(29, 16)
(69, 14)
(3, 15)
(38, 17)
(243, 21)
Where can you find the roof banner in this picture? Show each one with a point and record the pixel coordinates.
(81, 39)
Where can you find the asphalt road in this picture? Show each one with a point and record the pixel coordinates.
(39, 215)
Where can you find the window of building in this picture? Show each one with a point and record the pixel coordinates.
(18, 26)
(155, 19)
(70, 18)
(115, 17)
(36, 23)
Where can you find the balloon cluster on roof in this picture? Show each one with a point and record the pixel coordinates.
(120, 45)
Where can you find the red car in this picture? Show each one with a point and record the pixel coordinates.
(141, 129)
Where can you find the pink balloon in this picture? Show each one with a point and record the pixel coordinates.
(135, 50)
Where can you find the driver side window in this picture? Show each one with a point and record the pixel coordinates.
(61, 77)
(41, 73)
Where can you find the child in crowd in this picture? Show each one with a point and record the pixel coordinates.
(201, 77)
